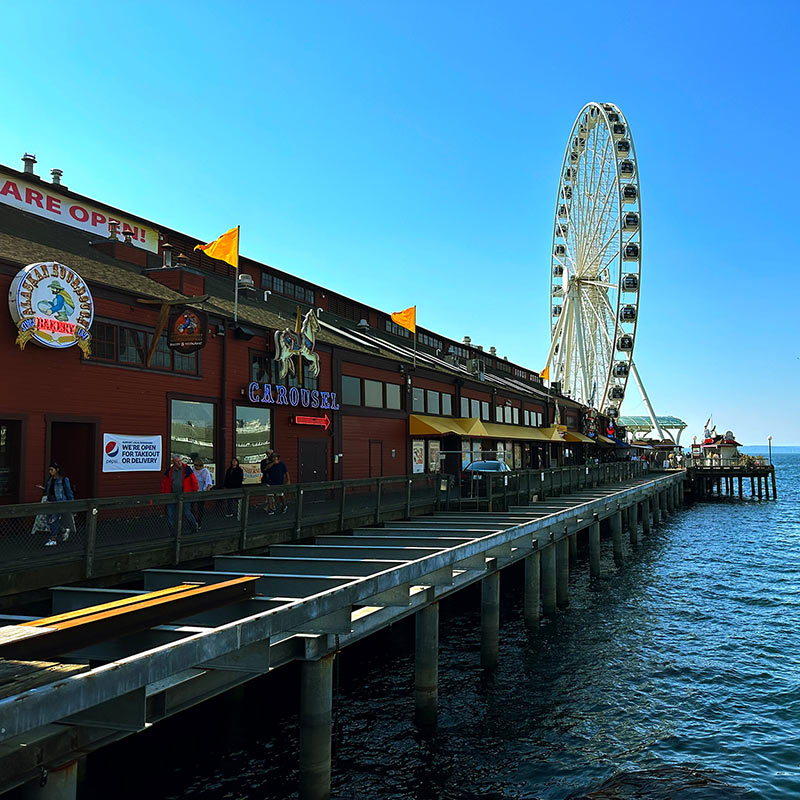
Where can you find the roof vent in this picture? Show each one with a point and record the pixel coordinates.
(166, 251)
(182, 261)
(29, 159)
(112, 229)
(492, 351)
(56, 174)
(467, 341)
(363, 325)
(246, 281)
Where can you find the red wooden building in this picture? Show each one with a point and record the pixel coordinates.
(374, 408)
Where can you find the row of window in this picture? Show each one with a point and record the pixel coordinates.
(397, 330)
(346, 308)
(287, 288)
(372, 394)
(429, 341)
(130, 346)
(427, 401)
(459, 351)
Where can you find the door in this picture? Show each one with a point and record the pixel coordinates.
(10, 464)
(313, 460)
(72, 445)
(375, 459)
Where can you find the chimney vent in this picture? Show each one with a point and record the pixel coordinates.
(467, 341)
(127, 236)
(28, 160)
(182, 260)
(480, 347)
(112, 230)
(56, 174)
(492, 351)
(166, 250)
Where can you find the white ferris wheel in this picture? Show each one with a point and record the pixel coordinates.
(596, 263)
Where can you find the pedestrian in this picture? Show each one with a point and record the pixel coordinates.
(204, 483)
(234, 478)
(178, 478)
(266, 463)
(277, 475)
(57, 489)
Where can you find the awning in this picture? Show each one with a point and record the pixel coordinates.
(606, 440)
(422, 425)
(574, 436)
(495, 430)
(555, 434)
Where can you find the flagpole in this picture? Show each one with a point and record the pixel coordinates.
(236, 278)
(415, 337)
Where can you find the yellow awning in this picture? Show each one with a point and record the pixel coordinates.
(422, 425)
(497, 431)
(555, 433)
(606, 440)
(574, 436)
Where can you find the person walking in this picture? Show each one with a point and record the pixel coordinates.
(277, 475)
(204, 483)
(57, 489)
(234, 478)
(178, 478)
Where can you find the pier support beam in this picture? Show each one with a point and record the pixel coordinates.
(531, 591)
(758, 484)
(645, 510)
(633, 523)
(316, 713)
(549, 579)
(752, 487)
(490, 619)
(60, 783)
(616, 535)
(669, 500)
(426, 665)
(766, 488)
(562, 572)
(573, 549)
(594, 549)
(774, 486)
(652, 501)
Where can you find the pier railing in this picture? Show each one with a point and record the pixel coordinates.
(46, 544)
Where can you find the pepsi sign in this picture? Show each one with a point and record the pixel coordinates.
(123, 453)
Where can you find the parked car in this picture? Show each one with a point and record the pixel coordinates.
(472, 478)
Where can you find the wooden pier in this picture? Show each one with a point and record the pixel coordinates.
(309, 600)
(732, 481)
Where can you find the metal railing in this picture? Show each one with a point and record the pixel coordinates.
(495, 491)
(738, 461)
(107, 536)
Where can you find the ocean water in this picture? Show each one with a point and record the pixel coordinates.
(674, 676)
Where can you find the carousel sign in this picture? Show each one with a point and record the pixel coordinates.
(52, 306)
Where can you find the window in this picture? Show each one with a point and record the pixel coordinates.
(346, 308)
(464, 407)
(397, 330)
(351, 390)
(284, 287)
(310, 381)
(447, 405)
(433, 402)
(507, 414)
(503, 365)
(498, 413)
(461, 352)
(520, 373)
(373, 394)
(185, 362)
(192, 431)
(104, 341)
(253, 439)
(475, 409)
(418, 400)
(515, 415)
(162, 358)
(526, 417)
(260, 367)
(392, 395)
(485, 411)
(429, 341)
(131, 346)
(434, 448)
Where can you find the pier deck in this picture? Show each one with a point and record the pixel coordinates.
(310, 600)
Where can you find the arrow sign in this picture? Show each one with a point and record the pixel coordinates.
(322, 422)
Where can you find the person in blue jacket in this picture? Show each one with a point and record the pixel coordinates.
(57, 489)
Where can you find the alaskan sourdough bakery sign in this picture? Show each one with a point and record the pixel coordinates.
(52, 306)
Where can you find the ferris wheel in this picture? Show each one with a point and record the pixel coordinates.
(596, 262)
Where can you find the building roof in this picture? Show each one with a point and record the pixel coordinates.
(645, 423)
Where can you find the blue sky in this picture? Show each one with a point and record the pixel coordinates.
(409, 152)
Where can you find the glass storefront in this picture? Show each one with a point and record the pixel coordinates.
(253, 440)
(192, 432)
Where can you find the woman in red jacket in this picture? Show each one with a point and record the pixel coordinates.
(179, 478)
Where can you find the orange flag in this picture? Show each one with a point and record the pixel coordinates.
(545, 374)
(406, 319)
(226, 248)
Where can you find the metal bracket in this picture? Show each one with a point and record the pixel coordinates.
(123, 713)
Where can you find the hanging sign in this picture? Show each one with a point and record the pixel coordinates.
(275, 394)
(123, 453)
(52, 306)
(44, 201)
(187, 329)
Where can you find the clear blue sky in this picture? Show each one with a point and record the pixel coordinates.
(409, 152)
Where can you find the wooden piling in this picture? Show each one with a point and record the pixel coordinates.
(616, 535)
(594, 549)
(633, 523)
(530, 603)
(549, 578)
(562, 572)
(774, 485)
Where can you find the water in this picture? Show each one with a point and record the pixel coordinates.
(677, 676)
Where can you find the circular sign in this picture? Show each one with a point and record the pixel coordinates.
(52, 306)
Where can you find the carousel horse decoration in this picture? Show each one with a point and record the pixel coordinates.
(299, 342)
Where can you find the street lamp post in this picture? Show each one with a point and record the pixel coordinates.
(769, 442)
